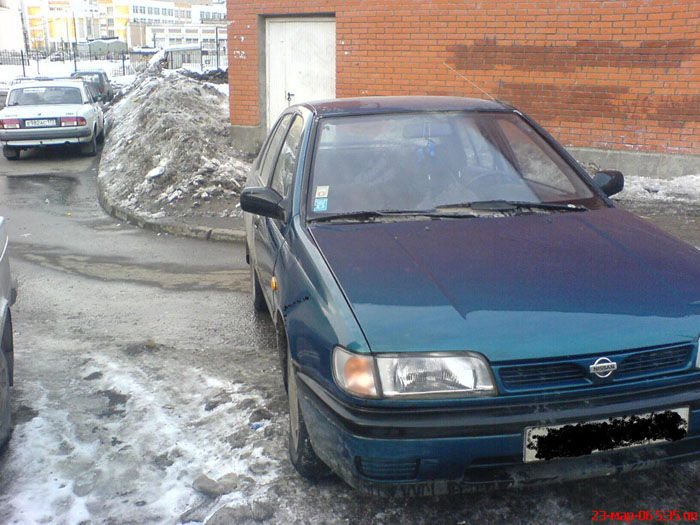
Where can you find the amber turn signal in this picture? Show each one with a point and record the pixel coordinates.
(354, 373)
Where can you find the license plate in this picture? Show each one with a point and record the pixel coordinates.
(590, 437)
(40, 123)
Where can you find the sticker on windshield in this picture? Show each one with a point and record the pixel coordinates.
(320, 204)
(322, 192)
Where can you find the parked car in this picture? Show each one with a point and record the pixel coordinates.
(459, 304)
(8, 294)
(51, 113)
(98, 77)
(59, 56)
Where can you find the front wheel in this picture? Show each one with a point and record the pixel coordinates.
(301, 453)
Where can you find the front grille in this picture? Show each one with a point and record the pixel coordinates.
(542, 375)
(637, 363)
(655, 360)
(387, 468)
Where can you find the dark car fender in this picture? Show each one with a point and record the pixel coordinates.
(314, 311)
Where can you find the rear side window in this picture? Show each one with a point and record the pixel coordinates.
(268, 161)
(288, 159)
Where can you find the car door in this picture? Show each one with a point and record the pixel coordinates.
(265, 245)
(282, 183)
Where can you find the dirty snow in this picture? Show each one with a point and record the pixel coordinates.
(168, 149)
(680, 189)
(145, 445)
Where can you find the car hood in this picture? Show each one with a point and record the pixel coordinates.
(523, 287)
(44, 111)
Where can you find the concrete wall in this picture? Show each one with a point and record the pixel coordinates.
(640, 163)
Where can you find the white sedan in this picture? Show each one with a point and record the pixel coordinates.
(51, 113)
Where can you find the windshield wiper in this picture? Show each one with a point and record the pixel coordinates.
(362, 216)
(505, 205)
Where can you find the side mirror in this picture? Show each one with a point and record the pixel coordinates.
(262, 201)
(610, 181)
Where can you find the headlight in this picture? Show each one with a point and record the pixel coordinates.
(435, 374)
(432, 374)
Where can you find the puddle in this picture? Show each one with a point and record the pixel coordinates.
(168, 277)
(59, 189)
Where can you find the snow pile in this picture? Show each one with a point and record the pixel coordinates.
(680, 189)
(168, 150)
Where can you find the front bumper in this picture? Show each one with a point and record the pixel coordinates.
(45, 136)
(449, 451)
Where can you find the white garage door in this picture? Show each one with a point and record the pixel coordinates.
(300, 58)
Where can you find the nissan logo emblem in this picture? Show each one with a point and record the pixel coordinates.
(603, 367)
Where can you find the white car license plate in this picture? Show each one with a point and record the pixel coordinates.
(40, 123)
(590, 437)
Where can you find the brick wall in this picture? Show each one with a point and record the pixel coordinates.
(606, 74)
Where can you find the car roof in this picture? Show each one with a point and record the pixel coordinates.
(49, 83)
(407, 104)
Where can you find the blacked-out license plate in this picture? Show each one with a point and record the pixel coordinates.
(590, 437)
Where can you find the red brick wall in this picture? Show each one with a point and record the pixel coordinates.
(607, 74)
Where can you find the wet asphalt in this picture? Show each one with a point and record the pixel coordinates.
(95, 293)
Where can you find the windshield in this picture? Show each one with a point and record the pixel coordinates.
(90, 77)
(423, 161)
(36, 96)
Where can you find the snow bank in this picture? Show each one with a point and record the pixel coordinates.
(168, 149)
(680, 189)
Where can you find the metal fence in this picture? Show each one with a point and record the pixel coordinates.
(17, 58)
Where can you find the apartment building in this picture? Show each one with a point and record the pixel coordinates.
(11, 38)
(54, 24)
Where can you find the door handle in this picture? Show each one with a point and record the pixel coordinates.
(289, 96)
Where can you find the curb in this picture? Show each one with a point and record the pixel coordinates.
(168, 226)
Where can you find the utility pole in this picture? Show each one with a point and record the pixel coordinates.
(75, 44)
(25, 31)
(217, 47)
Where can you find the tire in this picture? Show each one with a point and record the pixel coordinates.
(10, 153)
(259, 303)
(301, 453)
(5, 409)
(89, 149)
(101, 136)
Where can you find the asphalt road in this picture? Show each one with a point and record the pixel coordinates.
(140, 366)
